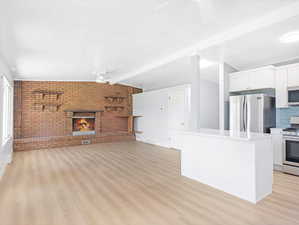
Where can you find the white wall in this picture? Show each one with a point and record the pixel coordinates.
(5, 150)
(153, 106)
(209, 105)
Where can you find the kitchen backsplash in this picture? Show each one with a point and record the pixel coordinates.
(283, 116)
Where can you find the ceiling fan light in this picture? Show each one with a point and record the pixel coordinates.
(204, 63)
(290, 37)
(100, 79)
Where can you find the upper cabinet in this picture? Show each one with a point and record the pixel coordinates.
(293, 76)
(238, 81)
(261, 78)
(281, 88)
(281, 78)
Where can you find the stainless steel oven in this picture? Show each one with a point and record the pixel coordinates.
(291, 155)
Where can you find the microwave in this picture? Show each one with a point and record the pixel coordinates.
(293, 96)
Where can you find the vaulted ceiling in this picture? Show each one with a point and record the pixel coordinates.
(255, 49)
(72, 39)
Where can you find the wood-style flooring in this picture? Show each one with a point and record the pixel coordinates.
(128, 183)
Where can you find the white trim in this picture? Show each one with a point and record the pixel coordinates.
(41, 80)
(7, 111)
(29, 79)
(176, 87)
(2, 169)
(277, 167)
(288, 66)
(256, 69)
(152, 142)
(276, 16)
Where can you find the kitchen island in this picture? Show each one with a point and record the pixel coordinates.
(240, 163)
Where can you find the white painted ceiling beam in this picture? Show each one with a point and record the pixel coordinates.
(274, 17)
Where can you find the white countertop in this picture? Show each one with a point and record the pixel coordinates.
(243, 136)
(276, 131)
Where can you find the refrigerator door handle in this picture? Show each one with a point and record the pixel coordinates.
(261, 114)
(242, 113)
(248, 117)
(245, 113)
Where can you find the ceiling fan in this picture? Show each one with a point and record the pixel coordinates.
(101, 77)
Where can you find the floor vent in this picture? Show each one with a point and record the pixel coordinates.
(86, 142)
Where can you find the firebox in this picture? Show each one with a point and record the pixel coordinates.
(83, 126)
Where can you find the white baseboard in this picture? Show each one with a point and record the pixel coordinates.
(152, 142)
(5, 156)
(277, 167)
(2, 169)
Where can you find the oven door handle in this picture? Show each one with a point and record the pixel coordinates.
(290, 138)
(284, 149)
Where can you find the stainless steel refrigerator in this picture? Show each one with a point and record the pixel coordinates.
(252, 113)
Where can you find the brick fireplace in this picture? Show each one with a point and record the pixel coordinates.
(59, 114)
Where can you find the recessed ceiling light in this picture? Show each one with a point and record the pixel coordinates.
(204, 63)
(161, 5)
(290, 37)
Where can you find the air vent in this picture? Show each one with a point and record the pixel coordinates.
(86, 142)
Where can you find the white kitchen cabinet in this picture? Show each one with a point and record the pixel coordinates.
(239, 81)
(281, 88)
(293, 76)
(277, 140)
(261, 78)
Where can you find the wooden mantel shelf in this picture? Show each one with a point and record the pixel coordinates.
(83, 110)
(46, 92)
(45, 105)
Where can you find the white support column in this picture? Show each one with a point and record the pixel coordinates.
(224, 71)
(195, 92)
(222, 93)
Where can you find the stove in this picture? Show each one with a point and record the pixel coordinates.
(291, 147)
(292, 131)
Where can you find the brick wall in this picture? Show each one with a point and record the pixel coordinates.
(40, 126)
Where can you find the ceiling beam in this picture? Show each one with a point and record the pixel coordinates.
(274, 17)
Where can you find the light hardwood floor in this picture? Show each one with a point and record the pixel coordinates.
(128, 184)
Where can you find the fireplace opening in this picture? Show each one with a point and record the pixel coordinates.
(83, 126)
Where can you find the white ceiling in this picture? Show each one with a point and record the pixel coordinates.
(172, 74)
(69, 39)
(255, 49)
(258, 48)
